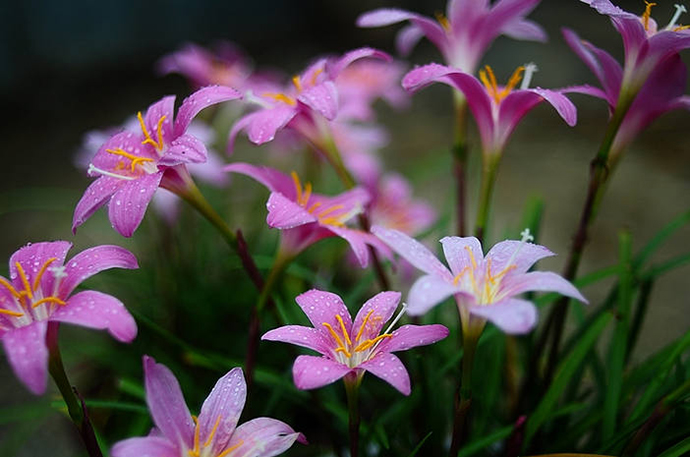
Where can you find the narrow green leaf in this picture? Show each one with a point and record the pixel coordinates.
(486, 441)
(638, 317)
(565, 371)
(105, 404)
(677, 450)
(419, 446)
(660, 237)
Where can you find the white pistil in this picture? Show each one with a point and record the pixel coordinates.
(250, 97)
(395, 321)
(94, 169)
(530, 69)
(526, 237)
(680, 9)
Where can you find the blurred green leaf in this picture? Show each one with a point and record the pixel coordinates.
(677, 450)
(419, 446)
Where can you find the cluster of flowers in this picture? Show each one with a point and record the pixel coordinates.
(326, 107)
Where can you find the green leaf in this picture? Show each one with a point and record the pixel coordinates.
(677, 450)
(419, 446)
(482, 443)
(660, 237)
(565, 371)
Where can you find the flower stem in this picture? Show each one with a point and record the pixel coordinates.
(75, 407)
(489, 168)
(352, 382)
(459, 152)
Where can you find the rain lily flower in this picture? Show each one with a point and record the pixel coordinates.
(359, 145)
(645, 43)
(214, 433)
(348, 347)
(466, 31)
(663, 90)
(394, 207)
(132, 164)
(496, 109)
(306, 106)
(39, 292)
(306, 217)
(484, 287)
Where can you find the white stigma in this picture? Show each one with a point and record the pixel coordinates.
(526, 238)
(93, 169)
(526, 235)
(530, 69)
(250, 97)
(58, 272)
(680, 9)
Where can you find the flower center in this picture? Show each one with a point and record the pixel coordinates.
(443, 20)
(299, 84)
(680, 9)
(647, 13)
(488, 78)
(325, 214)
(204, 450)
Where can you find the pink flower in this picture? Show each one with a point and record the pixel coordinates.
(663, 90)
(131, 165)
(466, 31)
(348, 347)
(484, 287)
(394, 207)
(39, 291)
(496, 109)
(306, 106)
(214, 433)
(306, 217)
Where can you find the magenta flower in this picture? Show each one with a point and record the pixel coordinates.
(310, 102)
(496, 109)
(394, 207)
(306, 217)
(663, 90)
(214, 433)
(352, 347)
(131, 165)
(484, 287)
(466, 31)
(39, 291)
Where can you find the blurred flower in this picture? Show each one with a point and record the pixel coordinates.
(496, 109)
(394, 207)
(132, 165)
(214, 433)
(358, 145)
(662, 91)
(305, 217)
(306, 106)
(466, 31)
(38, 292)
(348, 347)
(484, 287)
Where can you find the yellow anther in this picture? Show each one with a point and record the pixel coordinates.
(334, 335)
(366, 344)
(471, 254)
(344, 351)
(315, 75)
(459, 276)
(298, 185)
(11, 313)
(364, 323)
(281, 98)
(145, 131)
(135, 159)
(330, 210)
(213, 431)
(11, 288)
(443, 20)
(488, 78)
(49, 299)
(342, 327)
(313, 207)
(230, 449)
(680, 27)
(25, 281)
(160, 132)
(297, 83)
(512, 82)
(307, 194)
(647, 13)
(37, 281)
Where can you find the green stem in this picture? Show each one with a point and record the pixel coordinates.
(459, 153)
(352, 382)
(489, 168)
(75, 407)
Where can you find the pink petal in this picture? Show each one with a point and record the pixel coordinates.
(128, 205)
(166, 404)
(407, 39)
(386, 16)
(221, 410)
(203, 98)
(310, 372)
(457, 251)
(33, 257)
(389, 368)
(322, 98)
(149, 446)
(263, 437)
(100, 311)
(275, 180)
(513, 316)
(284, 213)
(527, 255)
(427, 292)
(354, 55)
(587, 90)
(307, 337)
(97, 195)
(381, 306)
(322, 307)
(413, 251)
(184, 149)
(211, 171)
(164, 107)
(262, 125)
(358, 241)
(505, 12)
(543, 281)
(524, 29)
(94, 260)
(410, 336)
(27, 354)
(563, 106)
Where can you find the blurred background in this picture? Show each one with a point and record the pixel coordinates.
(70, 67)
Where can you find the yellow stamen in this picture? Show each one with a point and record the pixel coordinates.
(512, 82)
(160, 132)
(298, 185)
(342, 327)
(11, 288)
(366, 344)
(334, 335)
(457, 277)
(213, 431)
(49, 299)
(281, 98)
(25, 281)
(344, 351)
(195, 451)
(135, 159)
(471, 254)
(364, 323)
(328, 211)
(313, 207)
(315, 75)
(443, 20)
(680, 27)
(307, 194)
(11, 313)
(488, 78)
(230, 449)
(43, 269)
(297, 83)
(647, 13)
(145, 131)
